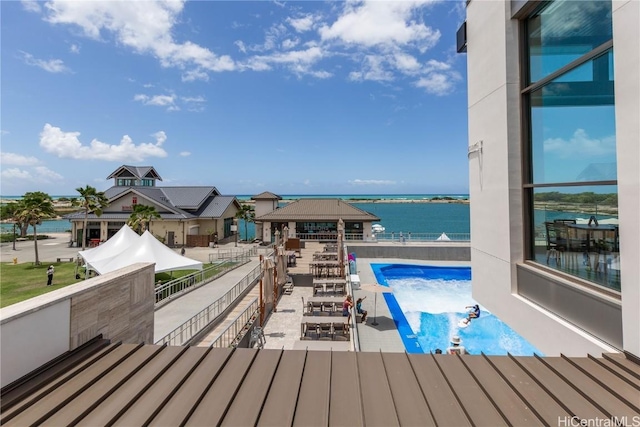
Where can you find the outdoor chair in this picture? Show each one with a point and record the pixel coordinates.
(556, 240)
(325, 330)
(318, 289)
(311, 330)
(327, 307)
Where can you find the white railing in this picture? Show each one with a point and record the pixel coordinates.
(420, 237)
(185, 332)
(234, 333)
(176, 287)
(399, 237)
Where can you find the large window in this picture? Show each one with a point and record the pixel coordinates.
(571, 176)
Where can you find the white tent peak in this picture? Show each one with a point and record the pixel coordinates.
(146, 249)
(120, 241)
(443, 236)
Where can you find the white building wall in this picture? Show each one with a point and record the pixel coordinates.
(495, 176)
(33, 340)
(626, 48)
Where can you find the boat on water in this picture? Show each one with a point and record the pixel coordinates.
(377, 228)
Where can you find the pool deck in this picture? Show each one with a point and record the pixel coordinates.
(282, 329)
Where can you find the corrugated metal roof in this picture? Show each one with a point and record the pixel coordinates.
(189, 197)
(266, 195)
(121, 216)
(138, 384)
(216, 207)
(318, 210)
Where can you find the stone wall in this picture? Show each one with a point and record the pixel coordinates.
(120, 308)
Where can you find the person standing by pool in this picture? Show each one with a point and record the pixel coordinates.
(347, 305)
(456, 347)
(359, 309)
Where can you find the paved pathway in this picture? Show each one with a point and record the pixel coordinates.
(175, 313)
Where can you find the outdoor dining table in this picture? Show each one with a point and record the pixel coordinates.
(325, 256)
(336, 321)
(329, 299)
(329, 286)
(324, 268)
(595, 240)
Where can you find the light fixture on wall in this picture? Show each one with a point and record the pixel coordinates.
(475, 148)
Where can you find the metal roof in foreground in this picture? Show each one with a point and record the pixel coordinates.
(126, 384)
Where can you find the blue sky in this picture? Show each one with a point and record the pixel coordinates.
(290, 97)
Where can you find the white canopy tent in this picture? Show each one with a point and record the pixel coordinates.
(443, 237)
(123, 239)
(147, 249)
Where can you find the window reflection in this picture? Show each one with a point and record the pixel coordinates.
(564, 31)
(573, 126)
(576, 231)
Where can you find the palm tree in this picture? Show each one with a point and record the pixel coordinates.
(34, 207)
(141, 216)
(91, 200)
(247, 214)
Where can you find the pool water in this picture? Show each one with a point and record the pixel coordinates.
(428, 302)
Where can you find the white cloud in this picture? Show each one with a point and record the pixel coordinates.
(45, 174)
(146, 27)
(15, 174)
(193, 75)
(438, 83)
(74, 48)
(580, 144)
(373, 69)
(158, 101)
(303, 23)
(51, 65)
(67, 145)
(241, 47)
(17, 159)
(290, 43)
(194, 103)
(297, 61)
(31, 6)
(185, 153)
(371, 182)
(378, 23)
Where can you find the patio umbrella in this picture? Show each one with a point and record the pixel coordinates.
(376, 289)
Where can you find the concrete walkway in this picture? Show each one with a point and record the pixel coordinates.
(175, 313)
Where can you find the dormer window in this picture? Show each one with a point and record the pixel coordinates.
(135, 176)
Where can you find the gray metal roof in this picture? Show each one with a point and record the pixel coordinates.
(79, 216)
(131, 385)
(318, 210)
(136, 171)
(216, 206)
(266, 195)
(189, 197)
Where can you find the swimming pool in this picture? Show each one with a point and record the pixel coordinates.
(428, 302)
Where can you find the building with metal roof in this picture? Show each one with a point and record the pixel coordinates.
(189, 215)
(311, 219)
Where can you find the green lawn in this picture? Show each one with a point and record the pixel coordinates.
(23, 281)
